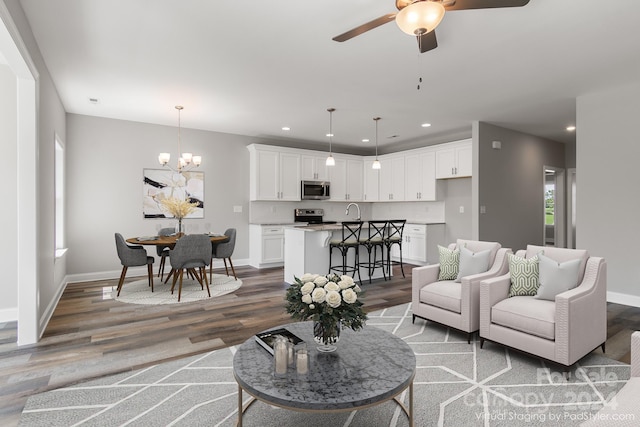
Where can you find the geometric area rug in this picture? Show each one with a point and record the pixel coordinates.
(456, 384)
(139, 292)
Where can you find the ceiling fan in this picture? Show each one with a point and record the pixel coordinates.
(421, 17)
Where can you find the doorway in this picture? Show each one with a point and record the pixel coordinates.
(16, 57)
(553, 233)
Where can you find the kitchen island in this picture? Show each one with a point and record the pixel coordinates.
(307, 251)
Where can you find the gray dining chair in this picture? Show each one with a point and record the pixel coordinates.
(224, 251)
(192, 253)
(132, 256)
(163, 251)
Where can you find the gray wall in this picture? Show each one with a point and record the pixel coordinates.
(9, 212)
(105, 162)
(608, 151)
(511, 183)
(457, 193)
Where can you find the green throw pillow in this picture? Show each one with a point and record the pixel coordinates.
(449, 263)
(524, 275)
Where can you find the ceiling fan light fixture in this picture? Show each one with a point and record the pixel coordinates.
(420, 17)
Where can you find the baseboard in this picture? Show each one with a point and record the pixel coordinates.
(624, 299)
(9, 315)
(137, 271)
(46, 316)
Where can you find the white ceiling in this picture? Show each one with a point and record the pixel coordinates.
(251, 67)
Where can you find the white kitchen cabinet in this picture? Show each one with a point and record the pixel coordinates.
(371, 181)
(266, 245)
(454, 159)
(346, 179)
(274, 175)
(420, 176)
(314, 168)
(391, 178)
(420, 243)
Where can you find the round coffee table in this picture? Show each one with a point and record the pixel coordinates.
(371, 366)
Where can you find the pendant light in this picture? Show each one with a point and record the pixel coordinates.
(330, 160)
(376, 162)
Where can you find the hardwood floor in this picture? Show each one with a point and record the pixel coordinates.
(91, 335)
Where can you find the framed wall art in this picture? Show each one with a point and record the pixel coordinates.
(159, 184)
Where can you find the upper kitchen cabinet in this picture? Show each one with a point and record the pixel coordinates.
(454, 159)
(314, 168)
(371, 181)
(391, 178)
(274, 174)
(346, 179)
(420, 176)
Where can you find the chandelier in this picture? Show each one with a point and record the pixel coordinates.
(186, 161)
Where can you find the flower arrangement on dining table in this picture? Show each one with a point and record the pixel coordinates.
(179, 208)
(333, 301)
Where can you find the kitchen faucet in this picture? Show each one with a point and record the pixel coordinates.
(357, 207)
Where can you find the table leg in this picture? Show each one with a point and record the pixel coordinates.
(411, 404)
(239, 423)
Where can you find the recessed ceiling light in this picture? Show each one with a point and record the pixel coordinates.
(571, 128)
(425, 125)
(286, 128)
(330, 135)
(365, 140)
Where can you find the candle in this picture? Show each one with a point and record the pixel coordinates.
(280, 357)
(302, 361)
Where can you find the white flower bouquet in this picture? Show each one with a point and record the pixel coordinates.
(331, 300)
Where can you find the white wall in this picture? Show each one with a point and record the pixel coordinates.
(608, 202)
(9, 193)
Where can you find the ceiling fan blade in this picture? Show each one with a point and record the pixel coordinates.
(365, 27)
(427, 41)
(482, 4)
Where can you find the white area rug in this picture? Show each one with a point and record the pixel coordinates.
(139, 292)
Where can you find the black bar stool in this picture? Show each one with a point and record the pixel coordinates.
(394, 237)
(350, 240)
(377, 230)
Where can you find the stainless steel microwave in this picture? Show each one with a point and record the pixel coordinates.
(315, 190)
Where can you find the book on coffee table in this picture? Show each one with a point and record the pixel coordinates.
(267, 338)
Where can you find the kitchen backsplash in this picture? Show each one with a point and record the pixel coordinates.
(282, 212)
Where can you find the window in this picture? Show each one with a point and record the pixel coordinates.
(59, 202)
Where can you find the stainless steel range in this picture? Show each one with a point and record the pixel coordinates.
(311, 216)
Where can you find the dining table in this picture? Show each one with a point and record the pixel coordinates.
(170, 241)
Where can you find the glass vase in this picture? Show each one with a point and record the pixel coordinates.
(179, 227)
(326, 335)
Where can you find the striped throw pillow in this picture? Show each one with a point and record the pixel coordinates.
(449, 263)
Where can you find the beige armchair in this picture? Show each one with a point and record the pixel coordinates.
(452, 303)
(561, 330)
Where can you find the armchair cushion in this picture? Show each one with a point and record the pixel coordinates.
(445, 294)
(449, 263)
(526, 314)
(524, 275)
(556, 277)
(472, 262)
